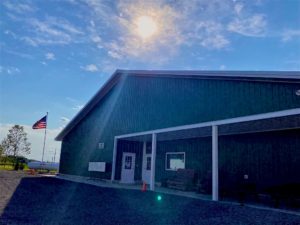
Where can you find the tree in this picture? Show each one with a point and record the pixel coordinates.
(1, 150)
(16, 142)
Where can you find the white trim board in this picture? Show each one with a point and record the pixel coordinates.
(268, 115)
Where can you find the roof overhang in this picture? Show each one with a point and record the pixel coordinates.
(265, 122)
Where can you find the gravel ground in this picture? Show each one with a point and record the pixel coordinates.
(28, 199)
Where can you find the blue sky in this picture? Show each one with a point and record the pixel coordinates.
(56, 54)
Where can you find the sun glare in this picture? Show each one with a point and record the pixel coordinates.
(146, 27)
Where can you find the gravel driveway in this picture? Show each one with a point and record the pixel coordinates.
(28, 199)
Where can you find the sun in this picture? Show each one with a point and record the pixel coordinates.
(146, 27)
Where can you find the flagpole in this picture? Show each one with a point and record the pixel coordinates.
(45, 138)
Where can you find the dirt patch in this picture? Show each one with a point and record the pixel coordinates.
(43, 200)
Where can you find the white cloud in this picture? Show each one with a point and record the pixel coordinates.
(254, 26)
(19, 54)
(90, 68)
(96, 39)
(210, 35)
(129, 45)
(111, 27)
(178, 25)
(19, 7)
(36, 138)
(108, 67)
(31, 41)
(215, 42)
(12, 34)
(52, 31)
(48, 29)
(102, 9)
(9, 70)
(114, 54)
(50, 56)
(64, 119)
(238, 8)
(78, 107)
(55, 26)
(290, 34)
(76, 103)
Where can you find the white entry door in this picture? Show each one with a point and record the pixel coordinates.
(146, 172)
(146, 168)
(128, 165)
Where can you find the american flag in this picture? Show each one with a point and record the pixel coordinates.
(41, 124)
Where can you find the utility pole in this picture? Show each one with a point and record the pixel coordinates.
(54, 154)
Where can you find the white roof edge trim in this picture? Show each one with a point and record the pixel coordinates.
(261, 116)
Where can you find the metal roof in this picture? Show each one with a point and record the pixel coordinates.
(254, 75)
(259, 76)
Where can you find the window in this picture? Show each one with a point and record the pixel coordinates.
(148, 165)
(128, 162)
(175, 160)
(148, 147)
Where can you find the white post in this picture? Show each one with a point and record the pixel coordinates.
(144, 163)
(153, 156)
(215, 169)
(114, 159)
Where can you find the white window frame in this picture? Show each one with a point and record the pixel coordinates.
(172, 153)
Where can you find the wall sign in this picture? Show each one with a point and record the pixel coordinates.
(101, 145)
(97, 166)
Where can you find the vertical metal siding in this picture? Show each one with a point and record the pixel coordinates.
(141, 103)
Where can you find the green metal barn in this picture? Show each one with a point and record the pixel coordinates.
(224, 125)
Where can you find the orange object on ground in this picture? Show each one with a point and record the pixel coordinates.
(31, 172)
(144, 187)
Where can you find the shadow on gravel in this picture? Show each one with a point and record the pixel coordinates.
(53, 201)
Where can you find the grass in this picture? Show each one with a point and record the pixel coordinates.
(10, 166)
(6, 167)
